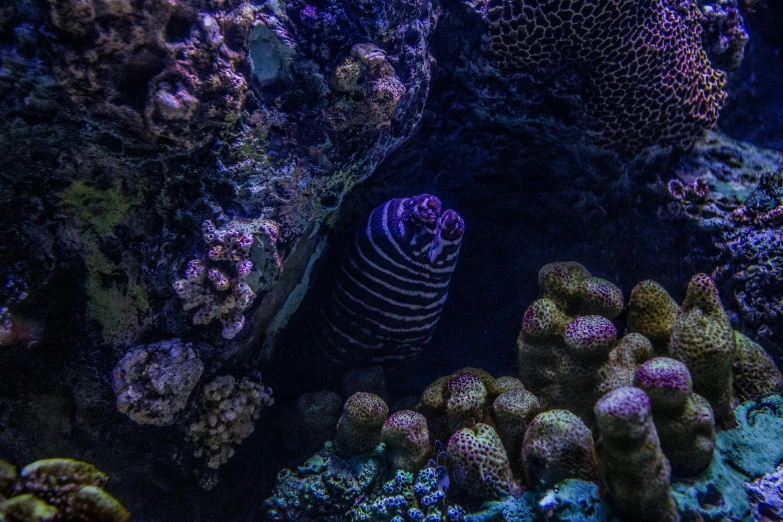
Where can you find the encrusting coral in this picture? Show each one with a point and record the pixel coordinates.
(360, 425)
(646, 77)
(684, 420)
(153, 382)
(703, 339)
(633, 468)
(558, 446)
(764, 206)
(53, 490)
(217, 285)
(226, 415)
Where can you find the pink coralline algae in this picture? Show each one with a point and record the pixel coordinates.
(217, 285)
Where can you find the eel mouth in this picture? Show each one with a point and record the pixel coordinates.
(450, 226)
(424, 209)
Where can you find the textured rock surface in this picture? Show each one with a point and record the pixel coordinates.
(153, 382)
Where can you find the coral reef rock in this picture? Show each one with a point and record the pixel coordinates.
(153, 382)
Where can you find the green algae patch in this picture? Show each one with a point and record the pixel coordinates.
(115, 306)
(95, 210)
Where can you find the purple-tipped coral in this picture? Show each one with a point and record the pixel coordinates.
(571, 286)
(684, 420)
(632, 350)
(634, 470)
(217, 285)
(478, 464)
(703, 339)
(153, 382)
(359, 427)
(407, 440)
(558, 446)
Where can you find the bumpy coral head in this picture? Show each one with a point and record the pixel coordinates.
(590, 336)
(543, 320)
(702, 293)
(666, 381)
(624, 414)
(407, 440)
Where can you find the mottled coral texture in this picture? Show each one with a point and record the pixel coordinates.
(646, 77)
(557, 446)
(651, 312)
(407, 440)
(703, 339)
(359, 427)
(478, 463)
(754, 372)
(53, 490)
(634, 470)
(567, 336)
(684, 420)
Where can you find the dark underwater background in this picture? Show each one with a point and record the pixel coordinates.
(103, 194)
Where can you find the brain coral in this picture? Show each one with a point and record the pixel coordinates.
(645, 76)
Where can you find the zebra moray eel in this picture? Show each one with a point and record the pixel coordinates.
(388, 294)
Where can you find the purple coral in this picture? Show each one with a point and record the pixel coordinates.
(217, 286)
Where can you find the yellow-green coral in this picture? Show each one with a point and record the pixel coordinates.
(96, 210)
(634, 470)
(755, 373)
(703, 339)
(59, 489)
(557, 446)
(359, 427)
(651, 312)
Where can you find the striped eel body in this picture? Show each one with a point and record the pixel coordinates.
(387, 297)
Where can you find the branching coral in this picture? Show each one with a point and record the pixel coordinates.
(153, 382)
(217, 285)
(227, 411)
(647, 79)
(54, 490)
